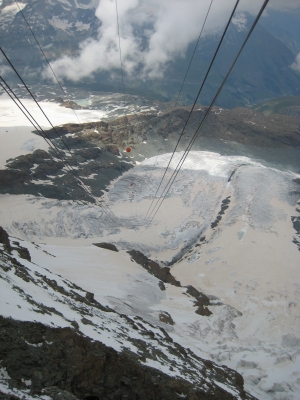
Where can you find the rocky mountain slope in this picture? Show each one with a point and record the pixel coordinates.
(263, 71)
(98, 147)
(62, 343)
(215, 271)
(229, 228)
(59, 26)
(286, 105)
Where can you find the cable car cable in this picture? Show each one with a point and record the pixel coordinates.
(120, 50)
(34, 99)
(195, 48)
(192, 109)
(37, 129)
(21, 79)
(178, 96)
(210, 107)
(48, 62)
(35, 124)
(52, 145)
(128, 149)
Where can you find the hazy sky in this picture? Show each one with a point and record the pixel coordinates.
(284, 4)
(168, 26)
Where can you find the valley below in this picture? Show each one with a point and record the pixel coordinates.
(196, 297)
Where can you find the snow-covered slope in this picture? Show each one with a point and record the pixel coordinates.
(227, 227)
(30, 292)
(16, 131)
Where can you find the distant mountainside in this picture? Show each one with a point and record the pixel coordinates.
(66, 345)
(227, 226)
(262, 72)
(98, 147)
(287, 105)
(59, 26)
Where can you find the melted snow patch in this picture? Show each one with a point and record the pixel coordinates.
(59, 23)
(8, 13)
(240, 22)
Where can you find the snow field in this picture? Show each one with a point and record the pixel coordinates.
(247, 260)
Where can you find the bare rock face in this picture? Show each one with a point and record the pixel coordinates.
(107, 246)
(97, 147)
(60, 360)
(64, 364)
(41, 173)
(201, 301)
(165, 317)
(4, 239)
(242, 125)
(112, 148)
(162, 273)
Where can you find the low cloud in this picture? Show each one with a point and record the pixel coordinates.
(5, 69)
(152, 34)
(296, 64)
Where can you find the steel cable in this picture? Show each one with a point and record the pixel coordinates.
(176, 171)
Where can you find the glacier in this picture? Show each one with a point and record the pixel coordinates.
(225, 227)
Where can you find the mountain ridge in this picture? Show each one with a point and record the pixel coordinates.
(89, 367)
(263, 70)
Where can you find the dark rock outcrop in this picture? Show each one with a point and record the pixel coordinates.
(96, 147)
(59, 358)
(241, 125)
(296, 225)
(162, 273)
(41, 173)
(165, 317)
(107, 246)
(66, 365)
(4, 239)
(202, 301)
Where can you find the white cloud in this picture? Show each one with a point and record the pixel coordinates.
(296, 64)
(153, 33)
(5, 69)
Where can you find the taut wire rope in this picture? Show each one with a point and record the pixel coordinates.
(53, 146)
(48, 62)
(175, 173)
(149, 212)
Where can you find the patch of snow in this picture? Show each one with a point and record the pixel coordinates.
(80, 26)
(16, 141)
(27, 382)
(58, 23)
(240, 22)
(8, 13)
(229, 389)
(253, 328)
(42, 182)
(3, 374)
